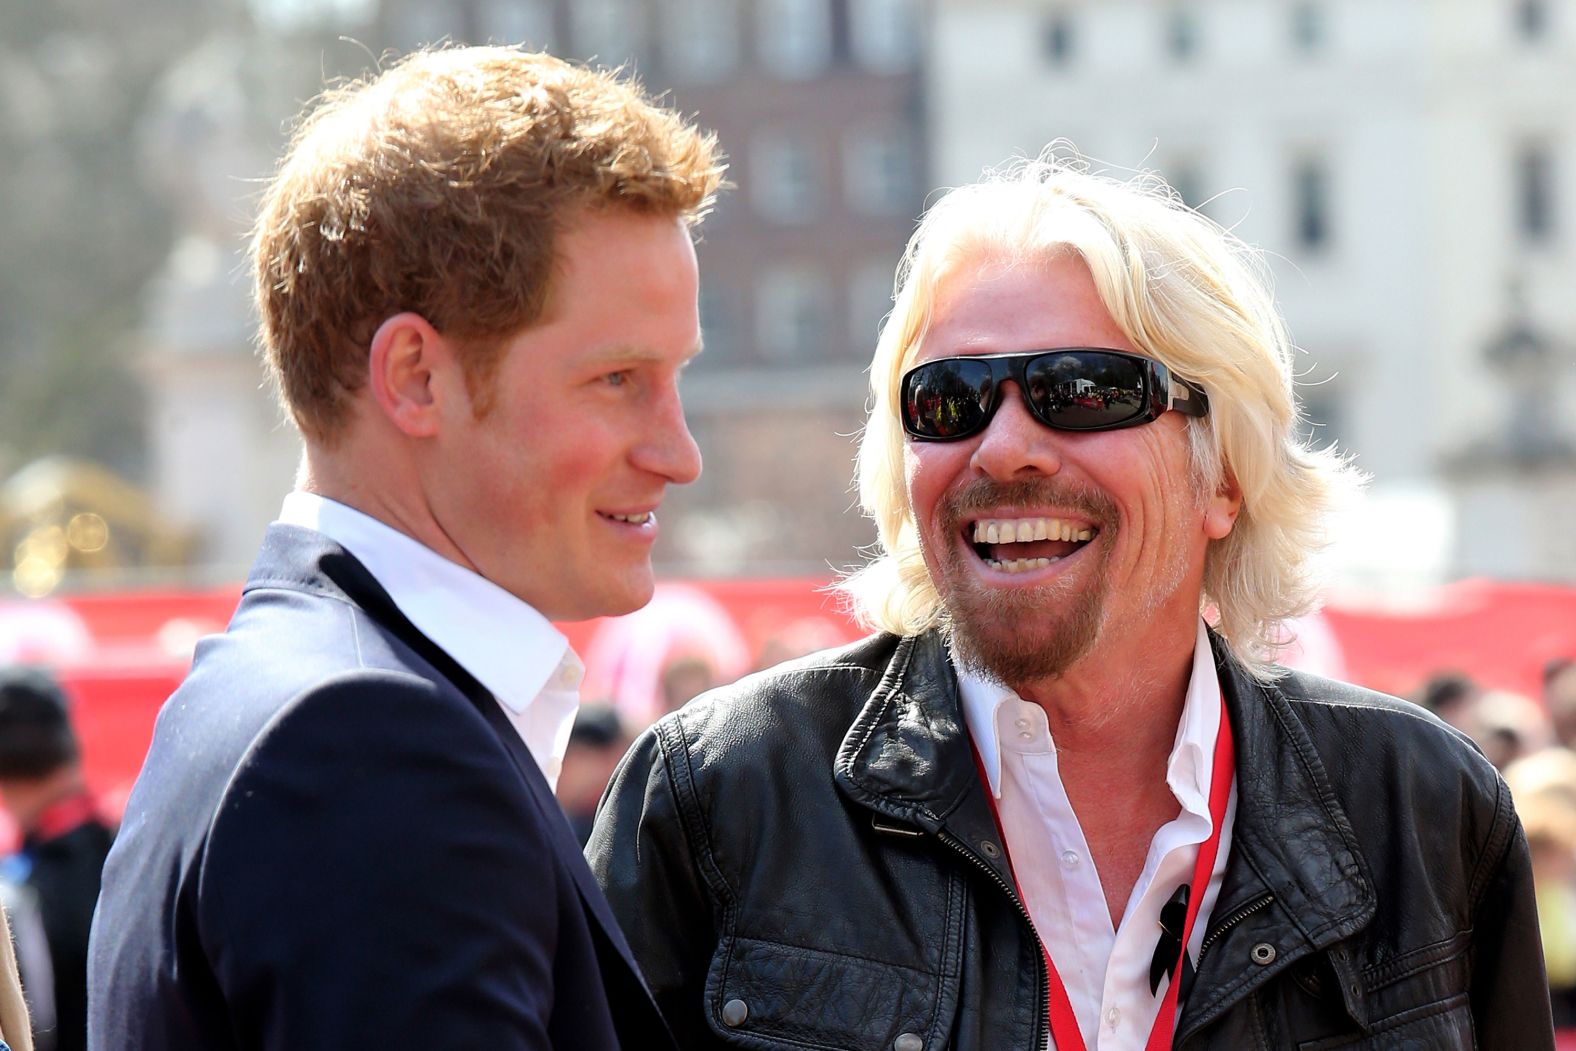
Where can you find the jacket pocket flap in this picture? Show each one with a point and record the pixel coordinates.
(765, 994)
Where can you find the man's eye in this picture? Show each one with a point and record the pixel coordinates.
(617, 379)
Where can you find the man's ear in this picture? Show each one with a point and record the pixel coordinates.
(1220, 512)
(407, 364)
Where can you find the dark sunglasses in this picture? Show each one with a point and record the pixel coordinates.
(1067, 389)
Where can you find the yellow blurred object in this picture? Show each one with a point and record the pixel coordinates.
(60, 516)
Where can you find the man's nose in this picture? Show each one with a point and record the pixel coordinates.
(1014, 443)
(670, 450)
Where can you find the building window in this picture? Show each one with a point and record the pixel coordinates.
(701, 39)
(791, 305)
(795, 37)
(1182, 33)
(528, 22)
(785, 178)
(869, 303)
(606, 30)
(1535, 193)
(1532, 19)
(1058, 39)
(884, 34)
(1307, 27)
(1310, 186)
(878, 171)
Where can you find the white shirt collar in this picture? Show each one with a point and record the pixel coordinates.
(505, 643)
(1190, 765)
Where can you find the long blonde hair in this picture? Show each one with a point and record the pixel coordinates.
(1185, 292)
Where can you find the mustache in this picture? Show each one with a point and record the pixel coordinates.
(985, 494)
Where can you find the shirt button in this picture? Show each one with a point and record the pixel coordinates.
(1026, 735)
(1112, 1017)
(1069, 859)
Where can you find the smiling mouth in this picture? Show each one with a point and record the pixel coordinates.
(1018, 545)
(640, 518)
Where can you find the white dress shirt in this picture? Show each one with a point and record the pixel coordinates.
(508, 646)
(1105, 971)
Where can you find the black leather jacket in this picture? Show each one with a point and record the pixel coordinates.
(807, 860)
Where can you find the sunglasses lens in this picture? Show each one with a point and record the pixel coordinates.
(1086, 390)
(946, 399)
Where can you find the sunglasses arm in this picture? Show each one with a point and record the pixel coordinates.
(1186, 398)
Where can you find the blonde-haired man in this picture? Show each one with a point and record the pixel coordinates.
(477, 289)
(1063, 798)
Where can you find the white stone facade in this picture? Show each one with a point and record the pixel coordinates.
(1421, 117)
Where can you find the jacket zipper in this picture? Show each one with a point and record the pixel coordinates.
(1235, 918)
(1040, 1006)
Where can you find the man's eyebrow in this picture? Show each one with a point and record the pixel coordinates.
(632, 354)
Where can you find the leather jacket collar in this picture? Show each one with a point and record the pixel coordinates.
(907, 759)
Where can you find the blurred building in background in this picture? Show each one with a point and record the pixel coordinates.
(818, 105)
(1409, 168)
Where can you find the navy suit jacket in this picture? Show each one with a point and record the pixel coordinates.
(339, 841)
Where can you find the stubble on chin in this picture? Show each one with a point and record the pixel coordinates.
(1022, 634)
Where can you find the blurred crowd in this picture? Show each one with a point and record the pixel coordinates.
(1533, 743)
(48, 886)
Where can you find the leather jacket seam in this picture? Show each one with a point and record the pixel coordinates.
(1416, 961)
(1334, 816)
(681, 782)
(810, 950)
(1496, 845)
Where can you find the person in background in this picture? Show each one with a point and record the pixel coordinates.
(1064, 794)
(1544, 787)
(685, 677)
(64, 837)
(1559, 698)
(1451, 695)
(596, 744)
(476, 276)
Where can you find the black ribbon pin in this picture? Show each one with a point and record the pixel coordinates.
(1173, 924)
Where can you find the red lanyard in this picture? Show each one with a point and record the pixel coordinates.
(1064, 1024)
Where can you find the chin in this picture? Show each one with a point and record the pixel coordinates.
(624, 595)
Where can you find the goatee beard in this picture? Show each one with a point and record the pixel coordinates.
(1021, 635)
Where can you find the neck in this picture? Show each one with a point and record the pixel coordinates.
(1114, 718)
(1122, 701)
(380, 487)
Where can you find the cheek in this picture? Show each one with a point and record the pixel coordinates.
(929, 468)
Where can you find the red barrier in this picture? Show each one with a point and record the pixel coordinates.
(121, 655)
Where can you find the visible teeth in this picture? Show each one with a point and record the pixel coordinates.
(1024, 530)
(1019, 565)
(639, 519)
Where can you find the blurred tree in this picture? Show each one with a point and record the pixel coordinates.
(80, 230)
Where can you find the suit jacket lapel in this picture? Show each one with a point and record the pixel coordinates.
(303, 559)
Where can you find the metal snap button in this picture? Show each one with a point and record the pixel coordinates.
(1262, 954)
(908, 1042)
(989, 849)
(734, 1012)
